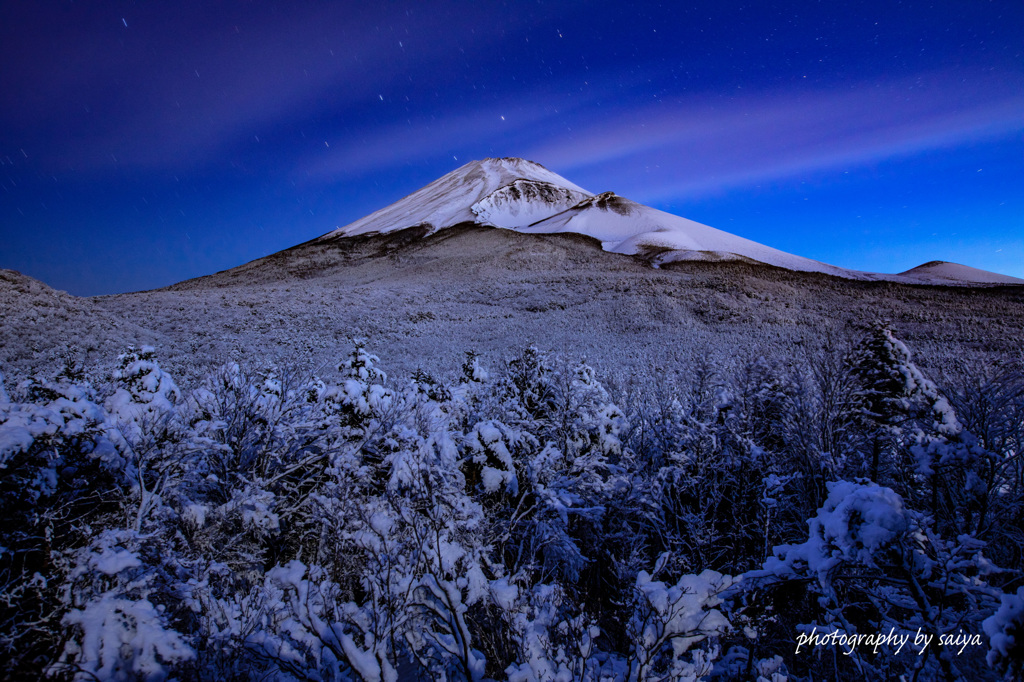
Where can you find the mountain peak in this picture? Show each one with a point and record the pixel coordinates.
(511, 162)
(502, 192)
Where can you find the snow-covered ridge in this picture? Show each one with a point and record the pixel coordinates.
(523, 202)
(626, 227)
(521, 195)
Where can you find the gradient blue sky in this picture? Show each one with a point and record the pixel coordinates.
(145, 143)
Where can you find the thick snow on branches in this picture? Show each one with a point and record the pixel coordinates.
(524, 522)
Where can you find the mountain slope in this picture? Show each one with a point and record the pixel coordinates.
(421, 300)
(624, 226)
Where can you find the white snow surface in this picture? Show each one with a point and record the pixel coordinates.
(489, 185)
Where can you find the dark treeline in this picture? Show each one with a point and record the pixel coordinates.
(523, 523)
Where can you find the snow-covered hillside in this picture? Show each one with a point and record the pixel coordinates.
(943, 272)
(42, 325)
(624, 226)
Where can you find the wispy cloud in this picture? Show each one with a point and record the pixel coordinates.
(207, 82)
(693, 146)
(705, 145)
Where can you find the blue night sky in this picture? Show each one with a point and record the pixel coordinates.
(145, 143)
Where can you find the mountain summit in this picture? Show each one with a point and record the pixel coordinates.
(507, 192)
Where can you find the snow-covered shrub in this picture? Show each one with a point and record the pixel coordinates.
(875, 564)
(551, 644)
(264, 525)
(116, 630)
(306, 629)
(668, 621)
(528, 386)
(121, 639)
(705, 491)
(473, 370)
(488, 462)
(547, 465)
(143, 405)
(1005, 630)
(60, 480)
(361, 394)
(858, 524)
(985, 485)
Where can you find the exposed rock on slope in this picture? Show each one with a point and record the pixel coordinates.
(523, 202)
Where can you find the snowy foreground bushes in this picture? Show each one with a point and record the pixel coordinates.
(840, 519)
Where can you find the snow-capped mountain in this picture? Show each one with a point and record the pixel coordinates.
(516, 194)
(521, 195)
